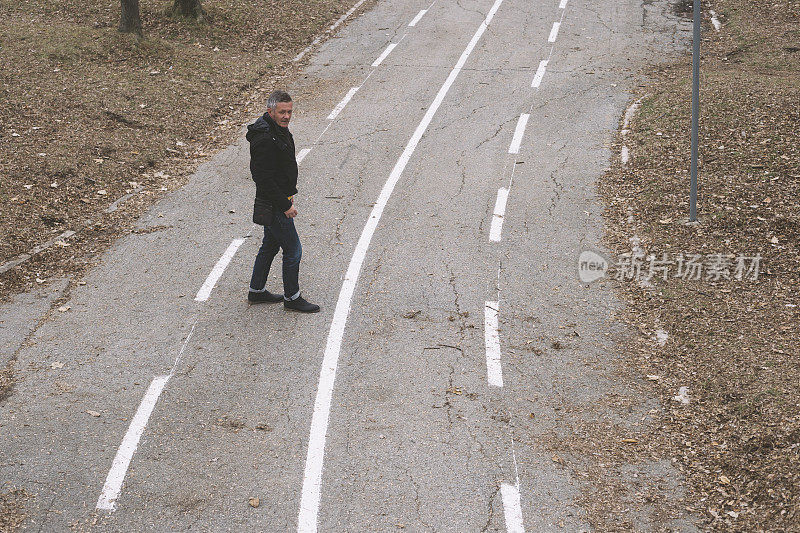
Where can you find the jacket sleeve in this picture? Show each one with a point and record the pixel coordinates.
(264, 168)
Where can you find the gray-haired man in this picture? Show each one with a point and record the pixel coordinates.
(274, 169)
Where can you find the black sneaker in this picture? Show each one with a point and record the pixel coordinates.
(300, 304)
(263, 297)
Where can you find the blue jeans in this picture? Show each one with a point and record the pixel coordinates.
(280, 234)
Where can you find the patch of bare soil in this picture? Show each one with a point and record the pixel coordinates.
(12, 509)
(731, 315)
(90, 115)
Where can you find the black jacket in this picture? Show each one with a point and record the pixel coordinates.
(272, 162)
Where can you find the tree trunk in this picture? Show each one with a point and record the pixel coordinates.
(129, 21)
(189, 8)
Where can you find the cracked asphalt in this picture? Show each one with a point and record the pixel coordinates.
(417, 440)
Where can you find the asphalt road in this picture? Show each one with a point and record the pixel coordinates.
(169, 414)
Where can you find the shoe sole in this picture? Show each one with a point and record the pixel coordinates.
(254, 302)
(301, 311)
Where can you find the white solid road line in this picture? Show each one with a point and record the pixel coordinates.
(554, 32)
(302, 155)
(312, 478)
(340, 105)
(494, 369)
(130, 442)
(417, 18)
(537, 78)
(384, 54)
(518, 133)
(512, 508)
(335, 25)
(216, 272)
(499, 213)
(563, 4)
(122, 460)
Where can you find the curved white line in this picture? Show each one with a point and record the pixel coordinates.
(312, 479)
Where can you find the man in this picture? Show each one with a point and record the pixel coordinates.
(274, 169)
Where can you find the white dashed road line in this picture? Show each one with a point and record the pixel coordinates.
(130, 442)
(340, 105)
(384, 54)
(494, 369)
(631, 112)
(216, 272)
(519, 131)
(715, 21)
(554, 32)
(417, 18)
(122, 460)
(537, 78)
(512, 508)
(516, 142)
(499, 213)
(387, 51)
(312, 478)
(302, 155)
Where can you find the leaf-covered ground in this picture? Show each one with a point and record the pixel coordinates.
(12, 509)
(731, 342)
(89, 115)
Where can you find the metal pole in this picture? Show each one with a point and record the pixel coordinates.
(695, 111)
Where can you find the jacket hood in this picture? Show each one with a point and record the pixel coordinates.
(260, 126)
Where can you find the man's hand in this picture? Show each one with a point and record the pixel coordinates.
(291, 212)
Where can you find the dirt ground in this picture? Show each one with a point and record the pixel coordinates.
(730, 335)
(90, 115)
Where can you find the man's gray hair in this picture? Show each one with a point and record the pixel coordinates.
(277, 97)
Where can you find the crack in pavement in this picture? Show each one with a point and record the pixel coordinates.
(350, 199)
(497, 132)
(556, 194)
(599, 19)
(375, 273)
(463, 175)
(490, 512)
(469, 10)
(417, 502)
(355, 138)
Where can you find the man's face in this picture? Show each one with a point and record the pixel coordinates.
(282, 113)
